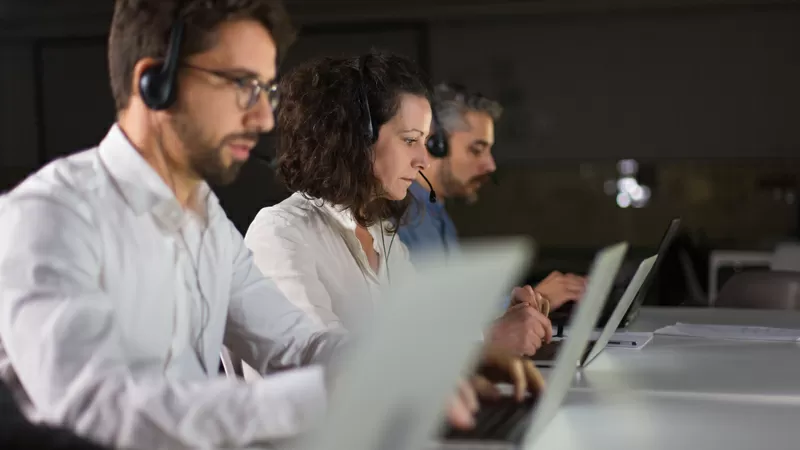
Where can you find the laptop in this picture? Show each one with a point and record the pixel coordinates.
(506, 424)
(663, 249)
(561, 316)
(546, 355)
(405, 362)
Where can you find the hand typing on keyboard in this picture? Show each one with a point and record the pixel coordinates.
(559, 288)
(496, 365)
(501, 366)
(522, 329)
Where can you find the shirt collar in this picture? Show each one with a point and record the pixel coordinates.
(342, 216)
(141, 186)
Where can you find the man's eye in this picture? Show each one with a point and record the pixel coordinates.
(243, 82)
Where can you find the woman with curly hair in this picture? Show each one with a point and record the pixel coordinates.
(352, 140)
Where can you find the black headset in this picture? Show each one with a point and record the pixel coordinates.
(368, 127)
(157, 83)
(437, 141)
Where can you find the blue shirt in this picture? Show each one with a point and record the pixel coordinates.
(427, 226)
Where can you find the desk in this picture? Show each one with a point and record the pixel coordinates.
(702, 366)
(686, 393)
(618, 421)
(653, 318)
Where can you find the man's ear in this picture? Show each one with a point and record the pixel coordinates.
(138, 69)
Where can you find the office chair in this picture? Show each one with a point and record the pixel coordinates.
(761, 290)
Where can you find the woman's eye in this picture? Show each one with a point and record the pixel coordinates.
(410, 141)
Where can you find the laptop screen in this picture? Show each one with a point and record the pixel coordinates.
(666, 242)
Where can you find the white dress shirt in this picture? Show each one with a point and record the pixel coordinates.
(114, 303)
(310, 250)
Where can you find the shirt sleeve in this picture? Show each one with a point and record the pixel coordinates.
(275, 322)
(60, 333)
(283, 255)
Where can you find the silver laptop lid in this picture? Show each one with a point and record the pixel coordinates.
(622, 307)
(406, 361)
(601, 278)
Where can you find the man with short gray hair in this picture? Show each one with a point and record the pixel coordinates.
(465, 121)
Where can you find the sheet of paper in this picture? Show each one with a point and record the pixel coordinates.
(734, 332)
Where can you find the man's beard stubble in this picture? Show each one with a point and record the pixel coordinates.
(205, 158)
(455, 188)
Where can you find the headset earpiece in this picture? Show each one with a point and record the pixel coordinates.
(368, 126)
(437, 141)
(157, 85)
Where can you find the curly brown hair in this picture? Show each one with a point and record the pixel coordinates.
(141, 29)
(323, 151)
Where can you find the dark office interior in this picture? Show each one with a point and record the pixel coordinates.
(696, 102)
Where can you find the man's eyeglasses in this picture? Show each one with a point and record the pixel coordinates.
(249, 87)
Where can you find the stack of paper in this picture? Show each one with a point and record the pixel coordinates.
(741, 333)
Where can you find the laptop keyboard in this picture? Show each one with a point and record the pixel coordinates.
(504, 420)
(474, 445)
(547, 352)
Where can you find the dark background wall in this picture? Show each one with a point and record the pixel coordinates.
(703, 93)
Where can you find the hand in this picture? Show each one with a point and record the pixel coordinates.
(461, 407)
(527, 294)
(560, 288)
(499, 365)
(521, 330)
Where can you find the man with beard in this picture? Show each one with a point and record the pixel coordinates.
(122, 276)
(121, 273)
(465, 121)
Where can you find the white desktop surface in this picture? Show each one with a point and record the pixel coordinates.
(653, 318)
(697, 365)
(620, 421)
(686, 393)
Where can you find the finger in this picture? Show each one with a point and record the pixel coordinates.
(516, 372)
(468, 396)
(548, 331)
(533, 342)
(547, 325)
(529, 290)
(578, 278)
(526, 294)
(545, 306)
(458, 414)
(575, 286)
(518, 306)
(536, 381)
(485, 388)
(518, 296)
(538, 330)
